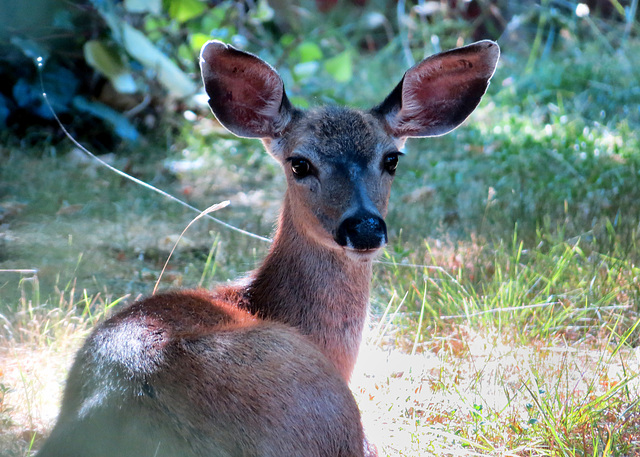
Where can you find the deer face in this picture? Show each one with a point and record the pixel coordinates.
(340, 162)
(339, 165)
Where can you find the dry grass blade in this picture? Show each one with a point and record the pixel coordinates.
(210, 209)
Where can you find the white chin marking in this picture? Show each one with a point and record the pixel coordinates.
(361, 255)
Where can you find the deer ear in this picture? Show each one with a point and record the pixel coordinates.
(245, 93)
(439, 93)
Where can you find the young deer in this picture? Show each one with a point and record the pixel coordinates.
(260, 368)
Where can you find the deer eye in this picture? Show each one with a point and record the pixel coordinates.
(390, 162)
(300, 167)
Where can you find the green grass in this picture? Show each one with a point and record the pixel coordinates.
(559, 287)
(505, 308)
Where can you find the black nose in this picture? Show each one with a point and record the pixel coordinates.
(362, 232)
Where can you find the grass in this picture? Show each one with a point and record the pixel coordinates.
(484, 394)
(505, 310)
(525, 352)
(561, 287)
(39, 340)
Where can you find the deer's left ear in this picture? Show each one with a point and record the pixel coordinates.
(439, 93)
(245, 93)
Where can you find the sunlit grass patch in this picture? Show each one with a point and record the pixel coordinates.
(39, 339)
(519, 351)
(491, 395)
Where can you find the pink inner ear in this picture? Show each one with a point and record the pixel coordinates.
(250, 84)
(267, 94)
(254, 95)
(245, 93)
(441, 91)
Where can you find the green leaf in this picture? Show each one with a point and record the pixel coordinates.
(340, 67)
(309, 52)
(287, 40)
(197, 40)
(119, 122)
(263, 13)
(104, 59)
(143, 6)
(183, 10)
(144, 51)
(214, 19)
(299, 101)
(153, 24)
(184, 53)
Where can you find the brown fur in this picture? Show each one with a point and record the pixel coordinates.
(260, 368)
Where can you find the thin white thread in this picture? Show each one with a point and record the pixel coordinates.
(39, 66)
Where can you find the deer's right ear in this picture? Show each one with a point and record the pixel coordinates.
(439, 93)
(245, 93)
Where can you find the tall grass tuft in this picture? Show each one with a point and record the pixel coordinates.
(39, 338)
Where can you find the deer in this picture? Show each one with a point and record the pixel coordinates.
(260, 367)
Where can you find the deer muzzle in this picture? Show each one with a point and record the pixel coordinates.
(362, 232)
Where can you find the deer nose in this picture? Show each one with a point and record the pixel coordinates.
(362, 232)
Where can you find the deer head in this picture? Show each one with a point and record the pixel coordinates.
(340, 162)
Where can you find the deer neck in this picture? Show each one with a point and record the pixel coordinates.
(318, 290)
